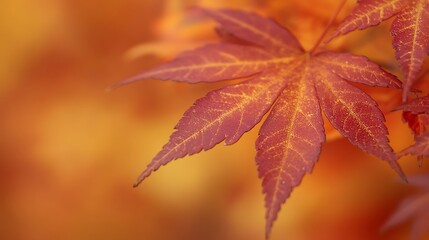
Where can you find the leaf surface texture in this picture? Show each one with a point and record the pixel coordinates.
(294, 84)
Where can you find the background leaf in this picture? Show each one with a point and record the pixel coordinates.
(409, 30)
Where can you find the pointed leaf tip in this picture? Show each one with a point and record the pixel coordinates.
(125, 82)
(151, 167)
(140, 179)
(400, 172)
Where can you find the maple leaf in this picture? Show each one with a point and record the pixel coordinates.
(414, 208)
(416, 122)
(416, 115)
(416, 106)
(410, 31)
(295, 84)
(420, 148)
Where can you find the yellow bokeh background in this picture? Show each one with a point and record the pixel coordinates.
(70, 151)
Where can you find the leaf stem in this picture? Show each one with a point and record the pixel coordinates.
(331, 20)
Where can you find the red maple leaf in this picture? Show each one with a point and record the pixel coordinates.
(410, 31)
(414, 208)
(416, 106)
(416, 122)
(420, 148)
(416, 115)
(295, 84)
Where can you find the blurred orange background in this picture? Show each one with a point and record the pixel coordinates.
(69, 151)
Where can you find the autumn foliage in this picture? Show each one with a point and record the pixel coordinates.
(283, 75)
(293, 86)
(409, 30)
